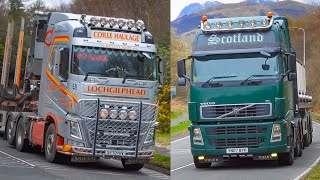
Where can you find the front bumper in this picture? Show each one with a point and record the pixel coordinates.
(83, 151)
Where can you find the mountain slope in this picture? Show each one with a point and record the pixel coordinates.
(292, 8)
(195, 7)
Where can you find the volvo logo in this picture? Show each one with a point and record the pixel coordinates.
(235, 111)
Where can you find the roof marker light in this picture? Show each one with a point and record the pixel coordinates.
(131, 23)
(204, 18)
(219, 24)
(104, 21)
(264, 22)
(241, 23)
(122, 22)
(206, 25)
(140, 24)
(230, 24)
(269, 14)
(253, 23)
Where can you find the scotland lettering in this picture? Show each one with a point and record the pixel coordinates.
(238, 38)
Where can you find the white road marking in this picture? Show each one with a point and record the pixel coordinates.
(17, 159)
(180, 139)
(312, 165)
(182, 167)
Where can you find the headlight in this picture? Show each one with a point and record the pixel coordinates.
(132, 115)
(130, 23)
(122, 22)
(197, 136)
(206, 25)
(219, 24)
(104, 21)
(230, 24)
(241, 23)
(75, 130)
(123, 114)
(140, 24)
(94, 20)
(276, 133)
(104, 113)
(253, 23)
(113, 114)
(113, 22)
(150, 136)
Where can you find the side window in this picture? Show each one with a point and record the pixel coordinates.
(52, 60)
(64, 63)
(41, 30)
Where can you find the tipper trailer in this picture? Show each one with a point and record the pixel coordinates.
(90, 90)
(247, 92)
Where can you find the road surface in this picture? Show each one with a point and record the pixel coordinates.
(182, 166)
(16, 165)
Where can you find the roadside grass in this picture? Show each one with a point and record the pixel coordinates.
(180, 128)
(163, 139)
(314, 174)
(175, 114)
(160, 161)
(178, 108)
(315, 117)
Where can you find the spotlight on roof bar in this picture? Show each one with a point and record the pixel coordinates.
(122, 22)
(94, 20)
(206, 25)
(140, 24)
(241, 23)
(104, 21)
(264, 22)
(131, 23)
(219, 24)
(253, 23)
(230, 24)
(113, 22)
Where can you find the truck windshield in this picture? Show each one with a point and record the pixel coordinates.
(236, 69)
(114, 63)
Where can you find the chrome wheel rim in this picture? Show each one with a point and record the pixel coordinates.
(10, 130)
(19, 136)
(50, 142)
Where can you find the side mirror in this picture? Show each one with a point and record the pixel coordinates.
(292, 76)
(292, 63)
(182, 81)
(181, 68)
(160, 65)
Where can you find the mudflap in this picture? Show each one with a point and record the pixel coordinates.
(84, 159)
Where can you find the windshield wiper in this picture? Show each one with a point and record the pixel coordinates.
(128, 75)
(216, 77)
(255, 75)
(85, 78)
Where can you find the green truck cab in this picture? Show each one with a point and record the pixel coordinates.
(247, 92)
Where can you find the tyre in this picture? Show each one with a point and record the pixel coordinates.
(287, 159)
(22, 144)
(299, 143)
(131, 167)
(10, 131)
(50, 145)
(306, 138)
(200, 165)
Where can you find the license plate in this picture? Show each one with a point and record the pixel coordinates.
(236, 150)
(115, 153)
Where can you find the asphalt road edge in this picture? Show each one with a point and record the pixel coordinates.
(158, 169)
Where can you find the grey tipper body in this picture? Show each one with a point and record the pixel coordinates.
(110, 113)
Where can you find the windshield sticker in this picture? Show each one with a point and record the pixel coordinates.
(91, 57)
(214, 39)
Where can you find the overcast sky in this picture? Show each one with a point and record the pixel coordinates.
(178, 5)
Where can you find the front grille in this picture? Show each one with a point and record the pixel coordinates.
(115, 133)
(236, 130)
(235, 111)
(236, 142)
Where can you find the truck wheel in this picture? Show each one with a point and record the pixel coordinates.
(50, 147)
(306, 138)
(22, 144)
(299, 144)
(10, 131)
(131, 167)
(287, 159)
(200, 165)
